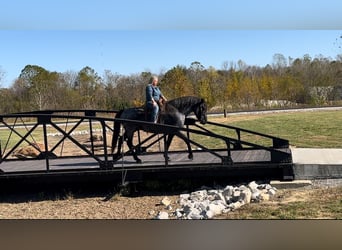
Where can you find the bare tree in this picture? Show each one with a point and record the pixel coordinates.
(69, 78)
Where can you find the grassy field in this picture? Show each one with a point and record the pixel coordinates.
(289, 204)
(316, 129)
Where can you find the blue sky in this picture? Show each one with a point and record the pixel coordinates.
(130, 36)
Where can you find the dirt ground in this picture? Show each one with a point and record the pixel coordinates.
(111, 205)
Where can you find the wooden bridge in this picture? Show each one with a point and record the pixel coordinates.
(67, 150)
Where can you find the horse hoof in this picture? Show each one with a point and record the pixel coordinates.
(191, 157)
(139, 161)
(115, 157)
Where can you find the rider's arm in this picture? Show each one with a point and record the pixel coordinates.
(162, 96)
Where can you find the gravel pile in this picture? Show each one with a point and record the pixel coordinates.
(207, 202)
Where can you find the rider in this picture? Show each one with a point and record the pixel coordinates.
(153, 97)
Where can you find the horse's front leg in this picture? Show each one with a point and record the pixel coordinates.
(168, 143)
(184, 138)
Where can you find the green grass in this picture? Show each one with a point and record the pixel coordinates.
(323, 203)
(318, 129)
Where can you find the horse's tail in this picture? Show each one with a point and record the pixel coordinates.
(116, 131)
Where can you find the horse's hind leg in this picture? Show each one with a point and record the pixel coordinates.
(132, 149)
(117, 155)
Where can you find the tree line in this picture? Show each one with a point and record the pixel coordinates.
(286, 82)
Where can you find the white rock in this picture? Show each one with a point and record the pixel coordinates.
(222, 198)
(184, 202)
(216, 208)
(255, 196)
(212, 192)
(228, 191)
(264, 196)
(271, 192)
(162, 216)
(194, 214)
(235, 205)
(253, 186)
(166, 201)
(179, 214)
(184, 196)
(198, 195)
(236, 195)
(187, 209)
(246, 196)
(226, 210)
(264, 186)
(202, 205)
(209, 214)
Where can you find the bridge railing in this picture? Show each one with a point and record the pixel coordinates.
(276, 141)
(46, 133)
(254, 140)
(39, 127)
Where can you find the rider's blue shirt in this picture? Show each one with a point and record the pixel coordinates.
(152, 92)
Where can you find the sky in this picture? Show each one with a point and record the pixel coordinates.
(131, 36)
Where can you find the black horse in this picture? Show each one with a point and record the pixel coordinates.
(172, 112)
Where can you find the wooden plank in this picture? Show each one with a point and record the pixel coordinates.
(251, 156)
(148, 160)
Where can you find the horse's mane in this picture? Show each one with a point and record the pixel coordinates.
(185, 103)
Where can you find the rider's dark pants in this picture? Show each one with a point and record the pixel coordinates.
(152, 112)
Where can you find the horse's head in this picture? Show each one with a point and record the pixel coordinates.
(200, 111)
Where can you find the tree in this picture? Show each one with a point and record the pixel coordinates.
(248, 92)
(279, 62)
(176, 83)
(21, 98)
(195, 73)
(210, 87)
(110, 81)
(88, 83)
(40, 84)
(266, 84)
(7, 101)
(69, 78)
(232, 87)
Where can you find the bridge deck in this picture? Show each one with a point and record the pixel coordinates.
(148, 160)
(250, 163)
